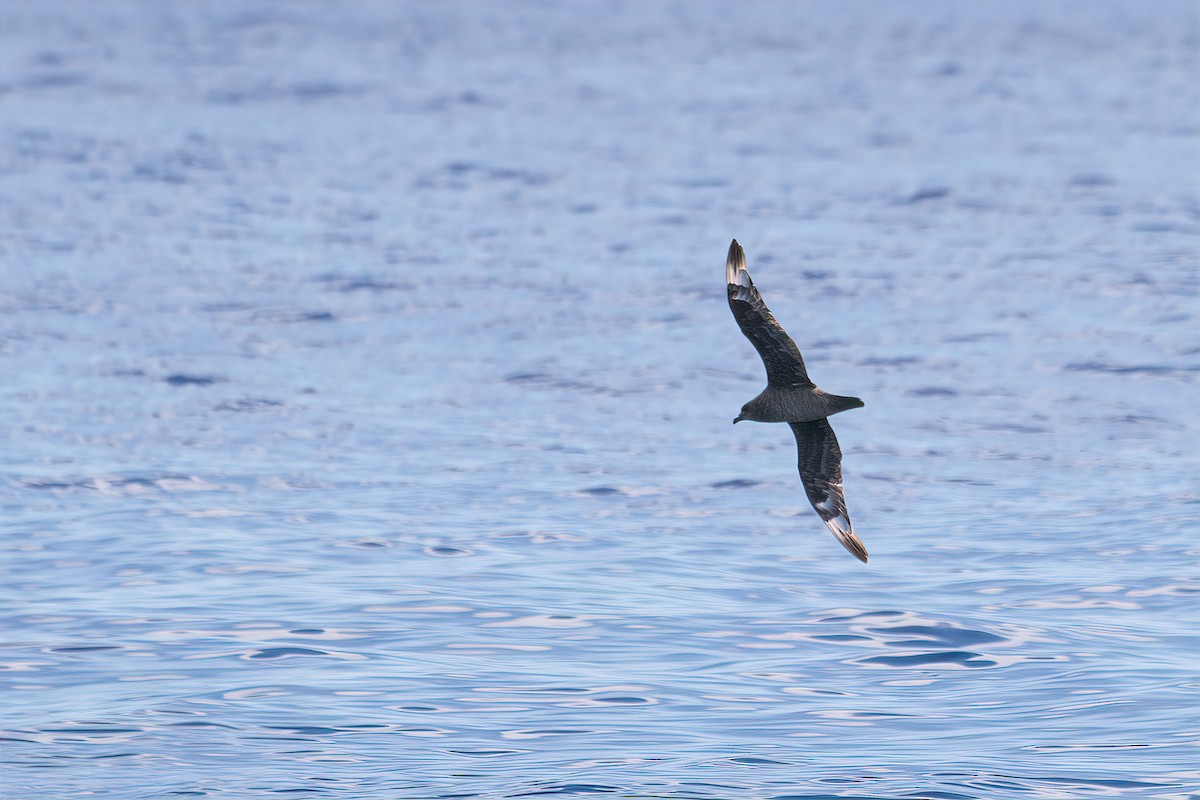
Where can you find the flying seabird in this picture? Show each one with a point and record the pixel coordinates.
(792, 398)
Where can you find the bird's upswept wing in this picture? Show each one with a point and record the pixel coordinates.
(820, 465)
(779, 353)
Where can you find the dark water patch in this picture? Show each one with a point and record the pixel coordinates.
(371, 284)
(225, 306)
(132, 484)
(1162, 226)
(160, 172)
(305, 730)
(52, 80)
(366, 542)
(601, 491)
(865, 616)
(190, 159)
(1154, 370)
(896, 361)
(285, 652)
(48, 58)
(1071, 748)
(52, 485)
(1171, 319)
(107, 756)
(518, 176)
(959, 657)
(702, 183)
(537, 733)
(181, 379)
(624, 701)
(301, 91)
(922, 195)
(471, 98)
(38, 144)
(1030, 783)
(569, 788)
(526, 377)
(887, 140)
(309, 91)
(1012, 427)
(754, 761)
(364, 283)
(941, 634)
(290, 317)
(932, 391)
(736, 483)
(1105, 782)
(1139, 279)
(461, 172)
(97, 729)
(83, 648)
(543, 380)
(1091, 180)
(974, 337)
(449, 551)
(248, 405)
(11, 737)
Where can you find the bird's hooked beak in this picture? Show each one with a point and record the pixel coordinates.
(738, 419)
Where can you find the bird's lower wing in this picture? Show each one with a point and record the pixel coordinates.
(785, 366)
(820, 465)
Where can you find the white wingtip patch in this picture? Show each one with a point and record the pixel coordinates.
(741, 279)
(735, 268)
(840, 527)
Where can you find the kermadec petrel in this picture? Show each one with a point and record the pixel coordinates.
(792, 398)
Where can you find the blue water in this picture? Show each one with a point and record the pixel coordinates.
(368, 377)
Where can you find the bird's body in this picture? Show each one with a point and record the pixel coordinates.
(792, 398)
(795, 404)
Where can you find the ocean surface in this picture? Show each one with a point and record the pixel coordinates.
(367, 379)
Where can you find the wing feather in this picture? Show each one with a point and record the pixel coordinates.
(820, 463)
(785, 366)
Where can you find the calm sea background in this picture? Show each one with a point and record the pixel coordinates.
(367, 380)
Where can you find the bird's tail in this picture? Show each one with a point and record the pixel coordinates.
(838, 403)
(840, 527)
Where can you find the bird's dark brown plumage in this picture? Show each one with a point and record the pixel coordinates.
(792, 397)
(785, 366)
(820, 464)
